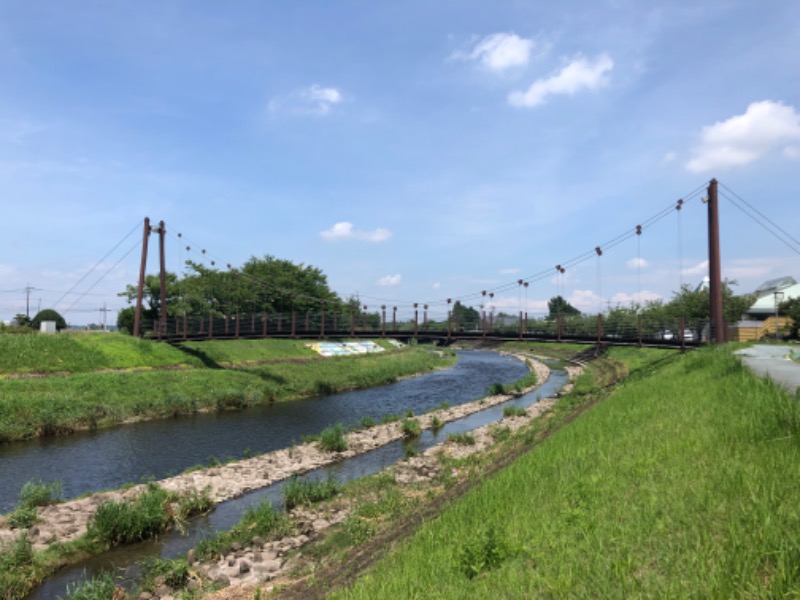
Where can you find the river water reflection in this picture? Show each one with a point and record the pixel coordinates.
(92, 461)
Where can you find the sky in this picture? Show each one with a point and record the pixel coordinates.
(413, 151)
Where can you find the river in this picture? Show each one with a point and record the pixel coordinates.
(91, 461)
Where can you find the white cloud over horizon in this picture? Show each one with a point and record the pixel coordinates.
(580, 74)
(745, 138)
(635, 263)
(344, 230)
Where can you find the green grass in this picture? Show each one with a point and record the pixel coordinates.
(411, 428)
(58, 405)
(100, 587)
(682, 483)
(262, 521)
(514, 411)
(304, 492)
(333, 438)
(81, 353)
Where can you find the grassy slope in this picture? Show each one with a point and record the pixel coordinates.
(52, 405)
(680, 484)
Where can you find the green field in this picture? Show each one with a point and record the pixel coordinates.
(102, 379)
(682, 483)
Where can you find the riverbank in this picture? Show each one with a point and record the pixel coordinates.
(676, 485)
(64, 524)
(87, 382)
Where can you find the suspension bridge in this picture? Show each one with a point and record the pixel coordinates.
(445, 319)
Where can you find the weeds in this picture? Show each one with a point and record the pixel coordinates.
(411, 428)
(333, 439)
(486, 552)
(366, 423)
(33, 493)
(262, 520)
(99, 587)
(463, 439)
(145, 517)
(303, 492)
(497, 389)
(514, 411)
(436, 423)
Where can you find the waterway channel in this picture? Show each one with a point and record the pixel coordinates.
(124, 562)
(92, 461)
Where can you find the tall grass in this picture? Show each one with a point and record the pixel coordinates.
(681, 484)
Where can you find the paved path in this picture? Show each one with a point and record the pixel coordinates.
(772, 362)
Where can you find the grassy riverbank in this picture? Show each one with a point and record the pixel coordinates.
(681, 483)
(112, 378)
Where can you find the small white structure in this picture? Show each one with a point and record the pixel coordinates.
(48, 327)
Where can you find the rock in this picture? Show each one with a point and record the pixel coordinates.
(244, 566)
(257, 556)
(221, 579)
(235, 547)
(163, 590)
(257, 541)
(145, 596)
(231, 561)
(272, 566)
(191, 556)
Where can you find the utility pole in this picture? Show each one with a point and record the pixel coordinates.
(28, 290)
(714, 266)
(137, 319)
(105, 311)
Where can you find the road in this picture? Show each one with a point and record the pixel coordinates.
(772, 361)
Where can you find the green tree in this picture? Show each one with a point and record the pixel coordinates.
(467, 317)
(791, 309)
(48, 314)
(559, 305)
(693, 305)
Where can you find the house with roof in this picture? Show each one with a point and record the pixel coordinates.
(761, 320)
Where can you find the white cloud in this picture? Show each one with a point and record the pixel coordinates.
(636, 263)
(314, 100)
(745, 138)
(500, 51)
(437, 285)
(509, 271)
(623, 299)
(345, 231)
(792, 152)
(390, 280)
(580, 74)
(669, 157)
(697, 270)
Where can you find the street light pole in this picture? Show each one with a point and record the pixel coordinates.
(778, 300)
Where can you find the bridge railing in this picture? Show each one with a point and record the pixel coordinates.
(641, 329)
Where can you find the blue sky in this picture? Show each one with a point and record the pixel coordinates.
(413, 150)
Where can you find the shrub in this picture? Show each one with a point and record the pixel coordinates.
(333, 439)
(48, 314)
(23, 517)
(436, 423)
(366, 423)
(303, 492)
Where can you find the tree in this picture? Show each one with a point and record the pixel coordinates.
(694, 305)
(559, 305)
(48, 314)
(791, 309)
(467, 317)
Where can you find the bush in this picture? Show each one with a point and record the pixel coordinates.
(48, 314)
(436, 423)
(366, 423)
(38, 493)
(486, 552)
(333, 439)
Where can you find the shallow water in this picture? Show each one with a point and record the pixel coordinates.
(92, 461)
(123, 561)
